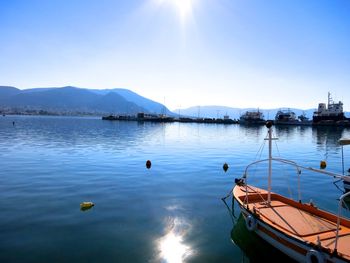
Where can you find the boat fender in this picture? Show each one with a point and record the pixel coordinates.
(250, 223)
(314, 256)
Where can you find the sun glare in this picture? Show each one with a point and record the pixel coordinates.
(171, 246)
(183, 7)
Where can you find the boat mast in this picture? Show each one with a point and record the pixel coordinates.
(330, 101)
(342, 158)
(270, 163)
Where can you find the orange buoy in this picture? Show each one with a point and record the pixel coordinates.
(323, 164)
(225, 167)
(148, 164)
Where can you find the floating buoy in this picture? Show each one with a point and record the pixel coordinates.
(323, 164)
(86, 205)
(225, 167)
(148, 164)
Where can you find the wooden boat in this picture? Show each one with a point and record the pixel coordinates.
(300, 230)
(253, 248)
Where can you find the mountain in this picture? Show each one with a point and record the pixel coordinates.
(235, 113)
(73, 100)
(7, 91)
(151, 106)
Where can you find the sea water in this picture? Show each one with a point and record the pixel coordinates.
(171, 212)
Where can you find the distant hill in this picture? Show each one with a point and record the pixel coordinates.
(7, 91)
(151, 106)
(72, 100)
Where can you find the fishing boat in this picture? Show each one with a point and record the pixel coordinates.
(252, 117)
(286, 117)
(304, 120)
(300, 230)
(330, 114)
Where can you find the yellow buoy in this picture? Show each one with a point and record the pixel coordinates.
(86, 205)
(323, 164)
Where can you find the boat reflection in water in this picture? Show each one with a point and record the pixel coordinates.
(172, 248)
(254, 249)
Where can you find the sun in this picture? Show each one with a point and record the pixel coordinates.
(183, 7)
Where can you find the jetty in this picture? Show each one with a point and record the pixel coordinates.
(166, 119)
(143, 117)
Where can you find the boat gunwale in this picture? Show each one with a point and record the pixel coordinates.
(306, 207)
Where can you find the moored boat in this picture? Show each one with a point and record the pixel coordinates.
(301, 230)
(252, 117)
(330, 114)
(286, 117)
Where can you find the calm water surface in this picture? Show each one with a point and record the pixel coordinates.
(172, 212)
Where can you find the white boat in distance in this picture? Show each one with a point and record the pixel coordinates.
(300, 230)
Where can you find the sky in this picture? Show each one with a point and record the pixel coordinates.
(237, 53)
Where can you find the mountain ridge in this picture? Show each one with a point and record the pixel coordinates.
(73, 100)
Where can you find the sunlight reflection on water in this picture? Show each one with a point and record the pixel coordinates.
(172, 248)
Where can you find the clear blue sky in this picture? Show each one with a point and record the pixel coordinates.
(236, 53)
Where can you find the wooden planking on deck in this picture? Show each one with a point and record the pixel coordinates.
(294, 220)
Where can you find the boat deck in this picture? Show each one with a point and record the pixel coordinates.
(301, 221)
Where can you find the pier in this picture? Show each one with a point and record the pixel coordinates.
(162, 118)
(142, 117)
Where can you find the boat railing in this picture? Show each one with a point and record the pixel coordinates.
(298, 169)
(278, 160)
(341, 200)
